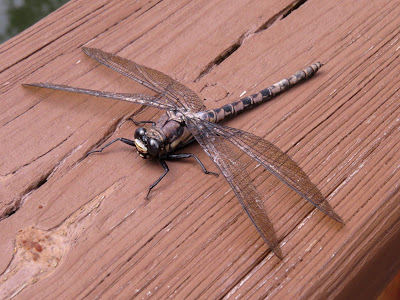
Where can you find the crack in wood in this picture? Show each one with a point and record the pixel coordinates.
(109, 133)
(220, 58)
(280, 15)
(36, 184)
(236, 45)
(295, 6)
(15, 205)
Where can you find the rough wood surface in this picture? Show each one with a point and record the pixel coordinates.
(75, 227)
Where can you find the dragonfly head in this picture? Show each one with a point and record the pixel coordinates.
(147, 146)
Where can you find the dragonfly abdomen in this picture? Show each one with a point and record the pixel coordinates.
(234, 108)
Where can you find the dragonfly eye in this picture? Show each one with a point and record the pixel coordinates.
(140, 133)
(153, 147)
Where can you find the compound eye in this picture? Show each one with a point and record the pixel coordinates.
(140, 133)
(153, 147)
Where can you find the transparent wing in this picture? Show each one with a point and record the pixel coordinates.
(134, 98)
(234, 171)
(277, 162)
(157, 81)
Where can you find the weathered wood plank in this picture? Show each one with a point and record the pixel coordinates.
(89, 231)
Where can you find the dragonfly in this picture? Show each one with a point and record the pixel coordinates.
(186, 120)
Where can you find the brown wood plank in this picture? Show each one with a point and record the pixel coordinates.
(75, 227)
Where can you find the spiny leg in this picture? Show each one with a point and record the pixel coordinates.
(126, 141)
(187, 155)
(141, 122)
(164, 165)
(137, 113)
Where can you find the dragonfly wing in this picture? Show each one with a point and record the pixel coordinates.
(278, 163)
(234, 171)
(155, 80)
(134, 98)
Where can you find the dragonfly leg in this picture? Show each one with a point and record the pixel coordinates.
(141, 110)
(187, 155)
(164, 165)
(142, 122)
(126, 141)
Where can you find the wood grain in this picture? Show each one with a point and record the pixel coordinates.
(75, 227)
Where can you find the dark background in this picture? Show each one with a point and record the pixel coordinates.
(17, 15)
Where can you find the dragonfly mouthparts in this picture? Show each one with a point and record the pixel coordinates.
(141, 148)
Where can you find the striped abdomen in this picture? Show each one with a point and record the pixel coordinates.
(219, 114)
